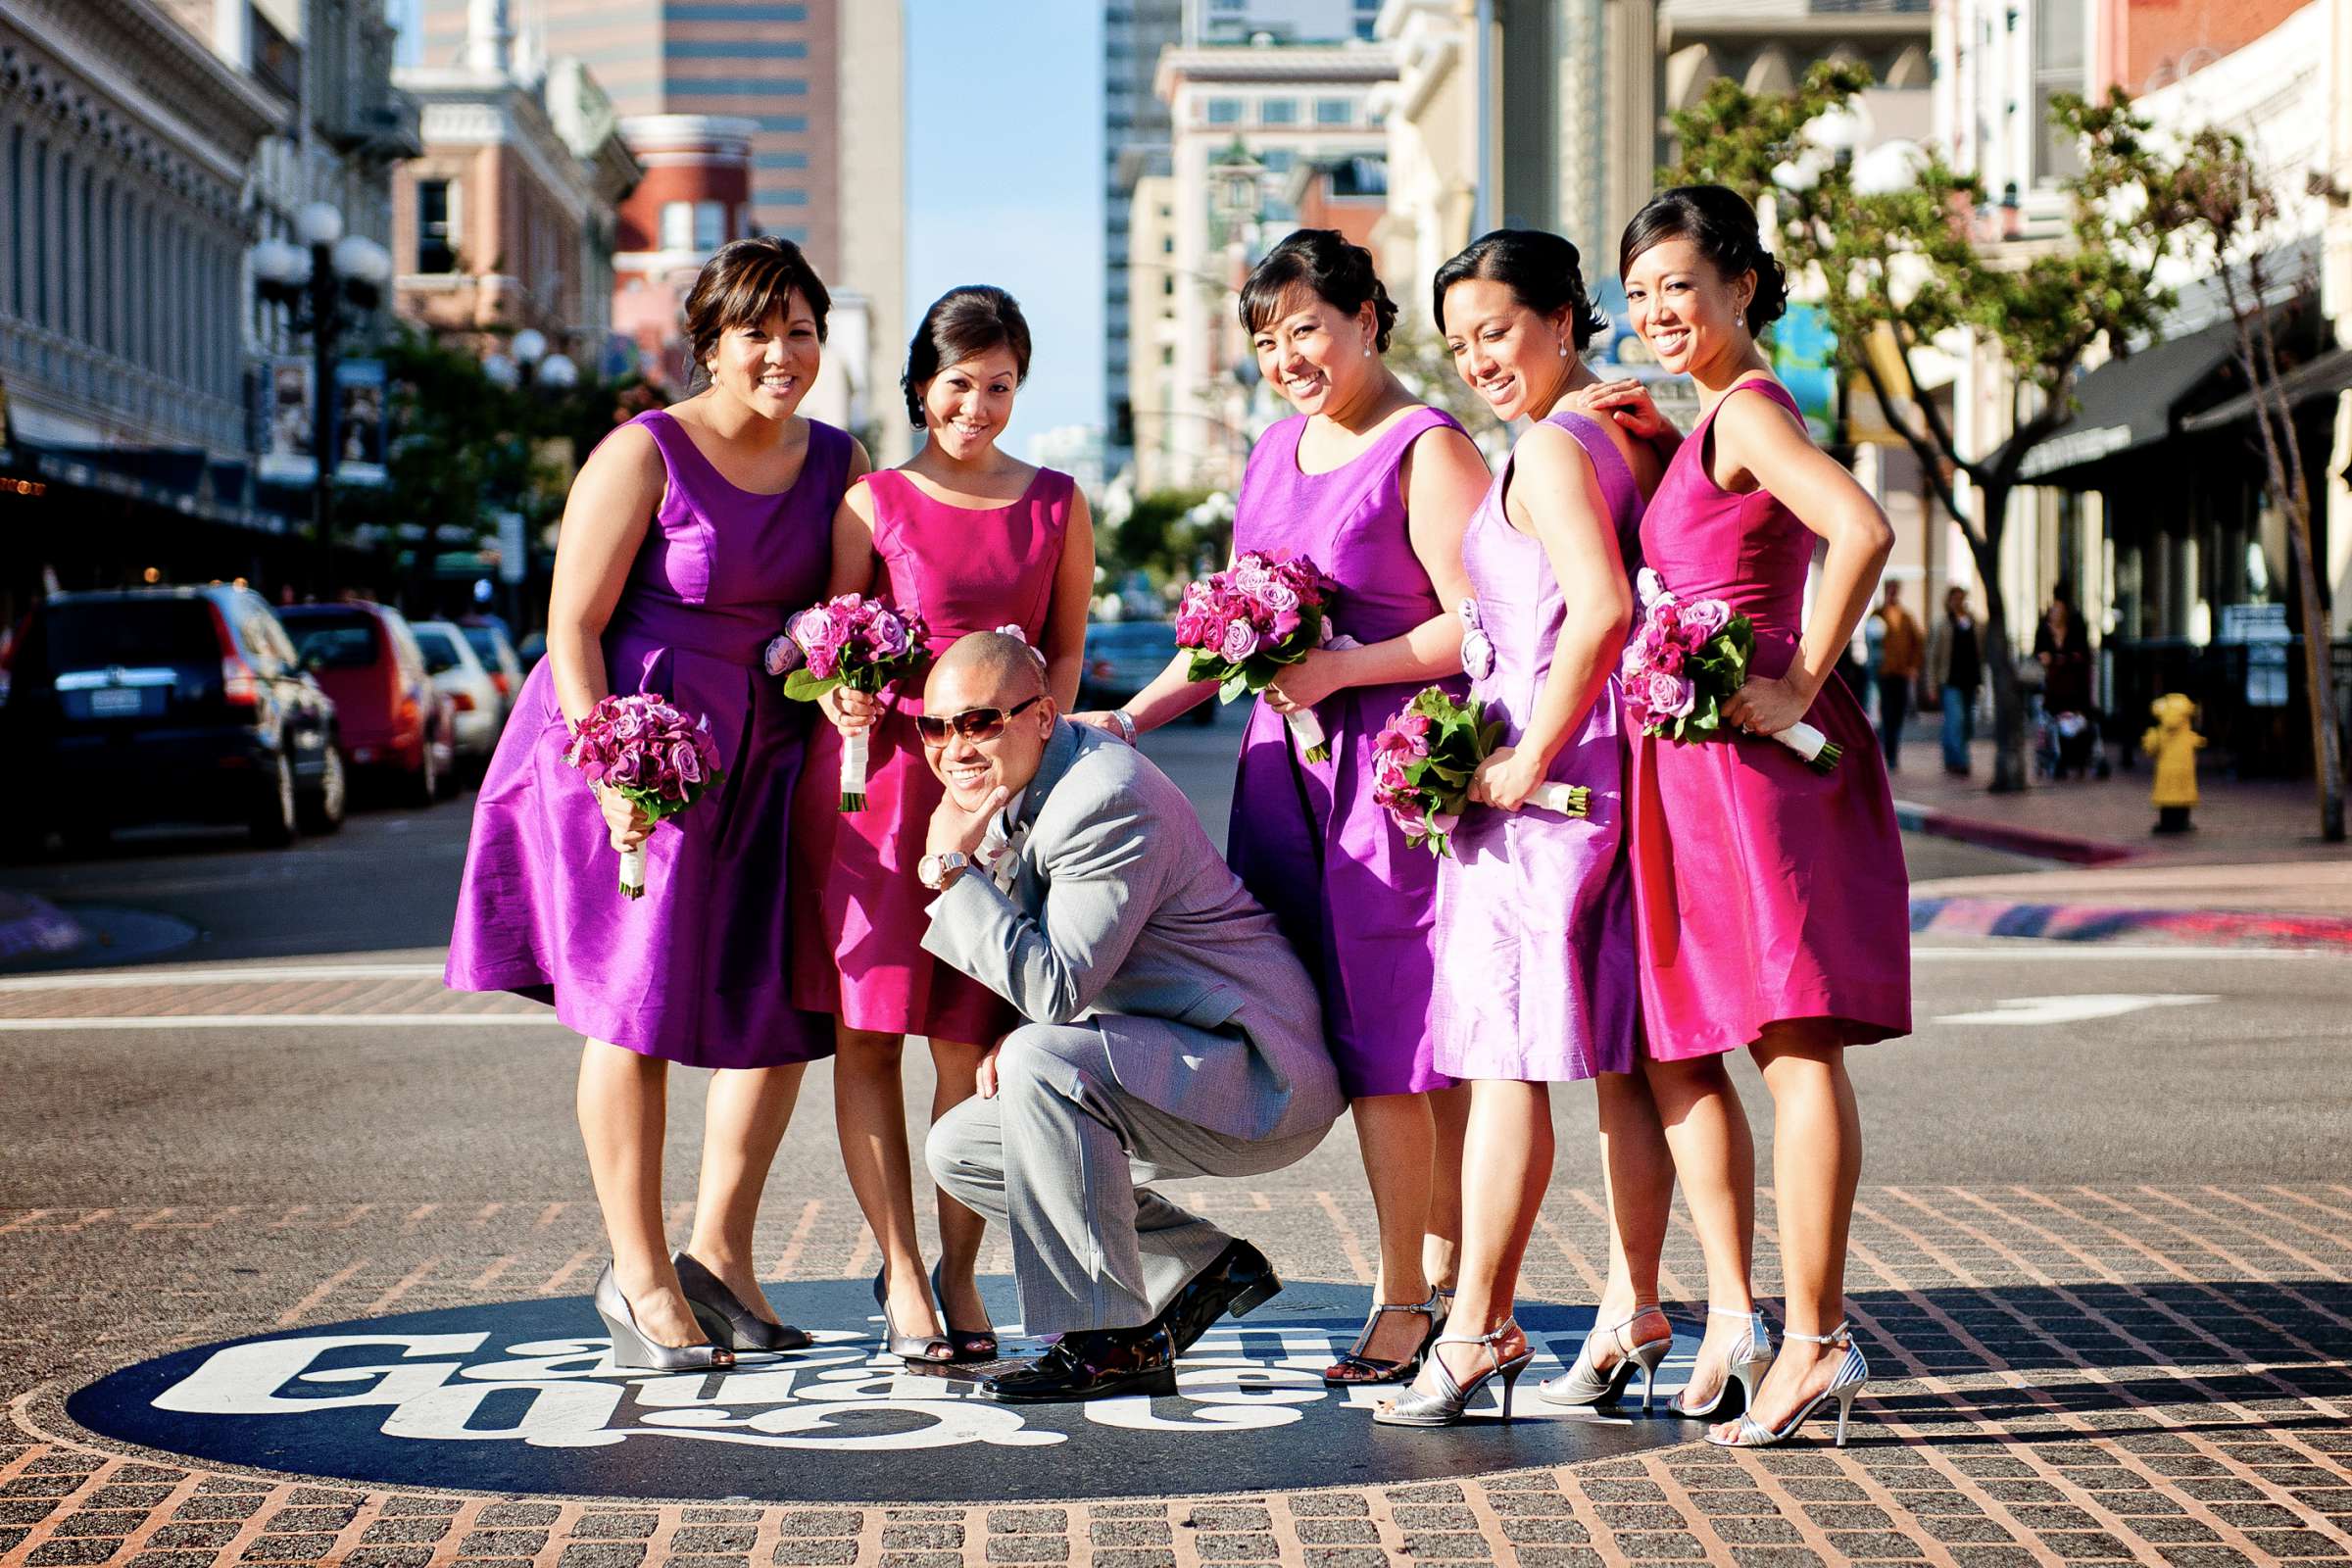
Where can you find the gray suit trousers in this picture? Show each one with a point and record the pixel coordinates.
(1061, 1156)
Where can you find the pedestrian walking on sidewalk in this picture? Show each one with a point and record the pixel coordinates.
(1955, 672)
(690, 535)
(1901, 649)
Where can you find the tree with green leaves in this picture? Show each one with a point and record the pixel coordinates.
(2212, 191)
(1881, 241)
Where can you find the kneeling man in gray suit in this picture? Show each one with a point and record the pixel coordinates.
(1169, 1033)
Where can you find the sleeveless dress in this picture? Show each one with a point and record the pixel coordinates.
(1535, 921)
(1305, 837)
(692, 971)
(1762, 890)
(860, 912)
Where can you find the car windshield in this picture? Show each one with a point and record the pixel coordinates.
(133, 632)
(335, 641)
(485, 642)
(440, 650)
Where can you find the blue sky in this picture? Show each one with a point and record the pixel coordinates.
(1004, 182)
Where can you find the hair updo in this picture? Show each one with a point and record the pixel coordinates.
(1542, 270)
(1720, 223)
(1324, 259)
(963, 325)
(741, 285)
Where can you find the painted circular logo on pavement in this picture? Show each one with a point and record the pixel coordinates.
(521, 1397)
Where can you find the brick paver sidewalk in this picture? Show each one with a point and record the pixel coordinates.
(2152, 1374)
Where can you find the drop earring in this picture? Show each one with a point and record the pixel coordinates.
(1740, 319)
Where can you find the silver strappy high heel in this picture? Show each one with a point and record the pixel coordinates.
(1586, 1383)
(1413, 1408)
(1852, 1375)
(1752, 1354)
(634, 1351)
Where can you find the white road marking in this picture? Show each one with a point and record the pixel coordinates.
(121, 979)
(2078, 1009)
(284, 1020)
(2005, 949)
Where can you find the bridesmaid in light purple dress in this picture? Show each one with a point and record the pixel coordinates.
(1376, 488)
(690, 535)
(1534, 961)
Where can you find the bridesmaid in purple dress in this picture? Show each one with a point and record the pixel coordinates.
(974, 540)
(1770, 900)
(1534, 951)
(1375, 487)
(689, 537)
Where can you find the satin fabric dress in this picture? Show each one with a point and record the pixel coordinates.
(695, 971)
(1306, 838)
(1763, 891)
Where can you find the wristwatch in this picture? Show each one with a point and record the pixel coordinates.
(936, 871)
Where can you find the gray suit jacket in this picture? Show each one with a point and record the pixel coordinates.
(1122, 914)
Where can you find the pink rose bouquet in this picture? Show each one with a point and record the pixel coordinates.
(853, 641)
(1423, 761)
(1244, 624)
(646, 750)
(1687, 659)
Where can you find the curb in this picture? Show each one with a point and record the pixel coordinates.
(36, 928)
(1915, 818)
(2098, 922)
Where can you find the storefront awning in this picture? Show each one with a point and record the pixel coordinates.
(2128, 403)
(2323, 376)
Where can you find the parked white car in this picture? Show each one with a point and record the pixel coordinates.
(455, 667)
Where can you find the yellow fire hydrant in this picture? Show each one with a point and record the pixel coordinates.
(2175, 746)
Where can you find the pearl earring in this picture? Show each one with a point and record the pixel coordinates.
(1740, 319)
(1563, 351)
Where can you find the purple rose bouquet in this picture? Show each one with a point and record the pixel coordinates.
(1423, 761)
(1244, 624)
(853, 641)
(646, 750)
(1685, 659)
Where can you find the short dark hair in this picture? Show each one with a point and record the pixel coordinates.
(740, 284)
(1542, 271)
(1720, 222)
(963, 325)
(1324, 259)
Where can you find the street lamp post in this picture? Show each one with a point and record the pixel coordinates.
(329, 281)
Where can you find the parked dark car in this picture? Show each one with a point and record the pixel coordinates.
(172, 705)
(394, 721)
(1122, 657)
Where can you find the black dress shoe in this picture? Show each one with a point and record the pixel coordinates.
(1092, 1365)
(1239, 1280)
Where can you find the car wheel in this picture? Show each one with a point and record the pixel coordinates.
(274, 813)
(425, 788)
(322, 811)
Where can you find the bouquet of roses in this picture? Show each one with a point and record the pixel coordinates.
(1244, 624)
(852, 641)
(644, 748)
(1685, 659)
(1423, 761)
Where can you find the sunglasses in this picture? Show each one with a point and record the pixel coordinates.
(973, 723)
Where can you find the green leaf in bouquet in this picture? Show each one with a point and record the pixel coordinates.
(1236, 685)
(1203, 666)
(803, 687)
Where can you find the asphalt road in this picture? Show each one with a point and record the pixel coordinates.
(2041, 1064)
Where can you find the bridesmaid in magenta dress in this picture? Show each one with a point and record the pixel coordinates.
(690, 535)
(1772, 908)
(1534, 940)
(972, 540)
(1375, 487)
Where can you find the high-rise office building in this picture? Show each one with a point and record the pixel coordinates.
(1135, 146)
(821, 82)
